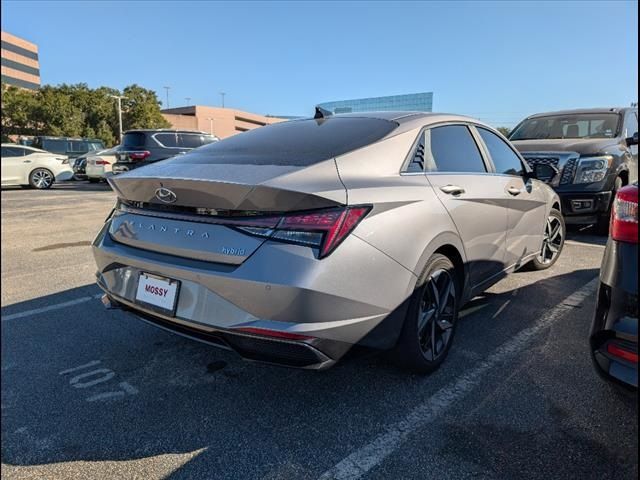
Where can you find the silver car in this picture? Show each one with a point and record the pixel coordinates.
(293, 242)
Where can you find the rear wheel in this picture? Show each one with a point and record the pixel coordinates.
(552, 243)
(41, 178)
(431, 318)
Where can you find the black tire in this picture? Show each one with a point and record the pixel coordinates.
(543, 260)
(41, 178)
(414, 351)
(602, 224)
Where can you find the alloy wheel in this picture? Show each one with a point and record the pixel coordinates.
(552, 241)
(42, 178)
(436, 314)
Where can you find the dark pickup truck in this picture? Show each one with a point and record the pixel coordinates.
(593, 152)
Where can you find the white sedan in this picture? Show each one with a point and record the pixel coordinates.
(22, 165)
(99, 164)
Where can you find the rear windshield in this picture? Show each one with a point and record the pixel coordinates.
(584, 125)
(134, 140)
(293, 143)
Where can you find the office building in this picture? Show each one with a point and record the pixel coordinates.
(419, 102)
(20, 65)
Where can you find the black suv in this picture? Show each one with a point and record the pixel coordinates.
(141, 147)
(593, 152)
(71, 147)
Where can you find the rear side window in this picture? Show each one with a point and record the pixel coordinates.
(134, 140)
(293, 143)
(182, 140)
(453, 149)
(504, 158)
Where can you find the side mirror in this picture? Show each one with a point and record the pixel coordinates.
(632, 140)
(543, 172)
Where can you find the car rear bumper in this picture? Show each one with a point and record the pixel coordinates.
(323, 304)
(64, 176)
(615, 324)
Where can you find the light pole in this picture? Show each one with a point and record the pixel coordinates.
(188, 99)
(119, 101)
(222, 94)
(167, 90)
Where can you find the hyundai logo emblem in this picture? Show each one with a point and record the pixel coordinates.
(165, 195)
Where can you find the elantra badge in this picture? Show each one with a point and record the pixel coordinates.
(165, 195)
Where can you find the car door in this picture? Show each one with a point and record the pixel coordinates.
(475, 199)
(526, 199)
(11, 165)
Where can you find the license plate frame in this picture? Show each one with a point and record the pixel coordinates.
(158, 281)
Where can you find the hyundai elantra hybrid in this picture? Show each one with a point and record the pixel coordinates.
(293, 242)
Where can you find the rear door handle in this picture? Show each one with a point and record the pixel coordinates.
(452, 189)
(514, 191)
(26, 161)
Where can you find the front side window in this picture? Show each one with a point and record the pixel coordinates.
(504, 158)
(451, 148)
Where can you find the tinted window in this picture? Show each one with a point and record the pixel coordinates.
(169, 140)
(453, 149)
(297, 142)
(12, 152)
(54, 145)
(504, 159)
(134, 140)
(188, 140)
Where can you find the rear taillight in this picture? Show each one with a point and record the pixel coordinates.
(102, 162)
(139, 155)
(624, 215)
(622, 353)
(324, 230)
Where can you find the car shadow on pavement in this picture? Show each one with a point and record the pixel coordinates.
(80, 383)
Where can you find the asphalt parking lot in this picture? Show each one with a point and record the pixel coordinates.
(90, 393)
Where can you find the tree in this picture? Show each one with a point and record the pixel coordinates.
(77, 111)
(504, 130)
(141, 109)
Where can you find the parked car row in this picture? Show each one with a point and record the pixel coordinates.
(87, 159)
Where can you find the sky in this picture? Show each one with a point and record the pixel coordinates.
(497, 61)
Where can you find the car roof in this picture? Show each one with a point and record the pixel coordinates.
(401, 117)
(578, 111)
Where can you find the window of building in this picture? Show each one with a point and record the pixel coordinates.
(504, 158)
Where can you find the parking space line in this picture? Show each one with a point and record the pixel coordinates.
(49, 308)
(583, 244)
(361, 461)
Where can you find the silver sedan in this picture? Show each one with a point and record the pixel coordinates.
(293, 242)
